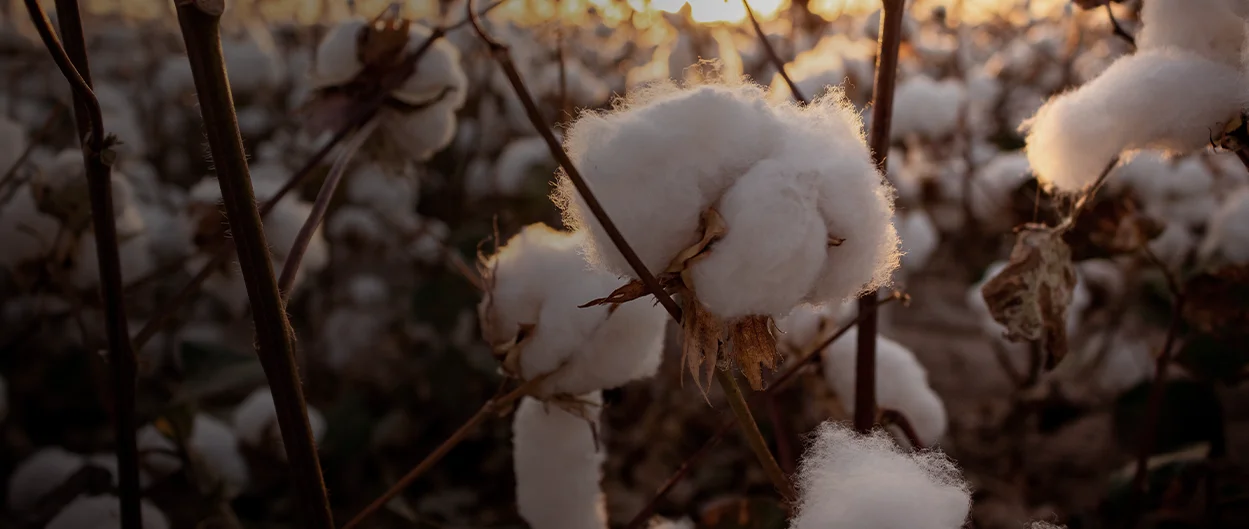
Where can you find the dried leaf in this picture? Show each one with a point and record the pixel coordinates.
(629, 292)
(702, 333)
(508, 353)
(754, 346)
(713, 227)
(1031, 294)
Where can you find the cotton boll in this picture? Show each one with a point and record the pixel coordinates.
(255, 422)
(538, 280)
(420, 133)
(337, 59)
(1174, 245)
(852, 481)
(1125, 365)
(776, 240)
(1228, 237)
(27, 232)
(517, 163)
(254, 63)
(438, 70)
(808, 323)
(156, 452)
(41, 473)
(355, 222)
(901, 383)
(919, 239)
(371, 186)
(664, 523)
(1164, 99)
(214, 442)
(992, 185)
(926, 107)
(103, 512)
(1209, 28)
(558, 466)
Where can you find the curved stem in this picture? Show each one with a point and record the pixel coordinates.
(773, 56)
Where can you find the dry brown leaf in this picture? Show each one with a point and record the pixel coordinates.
(1030, 296)
(508, 353)
(702, 332)
(754, 347)
(713, 228)
(631, 291)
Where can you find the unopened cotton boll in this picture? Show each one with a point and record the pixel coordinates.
(558, 465)
(928, 108)
(255, 422)
(864, 482)
(537, 281)
(1163, 99)
(103, 512)
(901, 383)
(1210, 28)
(919, 239)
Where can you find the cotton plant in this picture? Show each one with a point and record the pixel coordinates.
(558, 461)
(418, 118)
(103, 512)
(530, 317)
(854, 481)
(1183, 84)
(254, 423)
(747, 208)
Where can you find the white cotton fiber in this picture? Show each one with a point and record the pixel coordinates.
(1228, 237)
(214, 442)
(103, 512)
(40, 473)
(927, 107)
(919, 239)
(1209, 28)
(1163, 99)
(807, 324)
(255, 422)
(539, 279)
(558, 465)
(517, 163)
(850, 481)
(901, 384)
(806, 213)
(992, 185)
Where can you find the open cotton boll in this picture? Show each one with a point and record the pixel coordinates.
(27, 232)
(420, 133)
(537, 281)
(103, 512)
(371, 186)
(40, 473)
(901, 383)
(850, 481)
(558, 465)
(255, 422)
(1162, 99)
(214, 442)
(928, 108)
(1228, 237)
(1210, 28)
(519, 160)
(808, 323)
(992, 185)
(254, 63)
(919, 239)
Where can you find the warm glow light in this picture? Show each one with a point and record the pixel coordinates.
(720, 10)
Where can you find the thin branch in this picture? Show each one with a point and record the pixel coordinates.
(878, 141)
(747, 422)
(1157, 390)
(96, 159)
(1118, 29)
(896, 418)
(772, 55)
(811, 356)
(290, 268)
(200, 21)
(1090, 192)
(643, 516)
(491, 407)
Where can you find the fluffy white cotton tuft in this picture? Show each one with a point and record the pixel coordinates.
(255, 422)
(558, 465)
(103, 512)
(1209, 28)
(213, 441)
(927, 107)
(1228, 237)
(537, 281)
(850, 481)
(801, 329)
(1164, 99)
(919, 239)
(901, 384)
(790, 183)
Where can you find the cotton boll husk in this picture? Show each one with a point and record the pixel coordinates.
(217, 445)
(776, 239)
(1228, 237)
(919, 239)
(927, 107)
(558, 466)
(103, 512)
(1209, 28)
(901, 383)
(1163, 99)
(41, 473)
(864, 482)
(539, 278)
(657, 165)
(255, 422)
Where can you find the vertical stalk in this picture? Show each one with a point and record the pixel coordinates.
(71, 57)
(200, 21)
(878, 140)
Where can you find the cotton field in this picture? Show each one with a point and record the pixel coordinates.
(591, 264)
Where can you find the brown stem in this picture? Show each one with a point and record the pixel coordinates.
(1157, 390)
(295, 255)
(200, 21)
(896, 418)
(643, 516)
(878, 141)
(72, 60)
(491, 407)
(772, 55)
(780, 435)
(1118, 30)
(737, 402)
